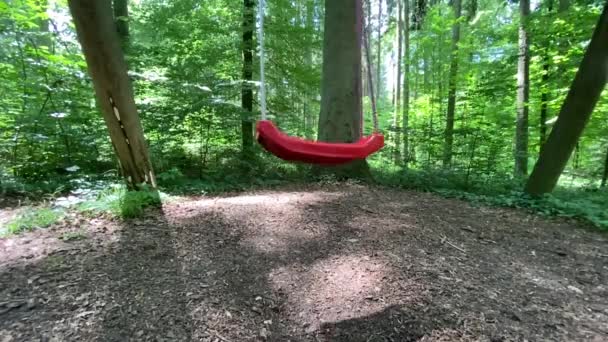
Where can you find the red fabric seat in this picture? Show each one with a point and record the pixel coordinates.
(314, 152)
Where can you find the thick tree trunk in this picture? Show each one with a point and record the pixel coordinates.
(584, 94)
(449, 122)
(397, 114)
(341, 106)
(100, 44)
(246, 90)
(121, 17)
(523, 93)
(406, 85)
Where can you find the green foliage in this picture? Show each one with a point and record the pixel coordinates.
(184, 59)
(117, 201)
(133, 203)
(587, 204)
(34, 218)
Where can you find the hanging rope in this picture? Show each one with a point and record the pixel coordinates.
(261, 42)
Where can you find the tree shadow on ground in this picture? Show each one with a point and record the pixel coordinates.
(112, 281)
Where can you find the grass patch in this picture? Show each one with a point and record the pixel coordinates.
(119, 202)
(34, 218)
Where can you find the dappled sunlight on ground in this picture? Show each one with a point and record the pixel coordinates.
(333, 289)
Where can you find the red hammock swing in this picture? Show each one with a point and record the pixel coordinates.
(314, 152)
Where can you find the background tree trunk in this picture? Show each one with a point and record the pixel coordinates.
(584, 93)
(396, 125)
(544, 96)
(605, 175)
(97, 35)
(341, 106)
(523, 93)
(406, 85)
(246, 90)
(121, 17)
(449, 122)
(379, 53)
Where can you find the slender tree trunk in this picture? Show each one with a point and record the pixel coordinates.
(544, 99)
(379, 52)
(472, 10)
(308, 117)
(397, 128)
(341, 106)
(246, 90)
(121, 17)
(100, 44)
(449, 123)
(406, 85)
(45, 38)
(584, 94)
(605, 175)
(523, 93)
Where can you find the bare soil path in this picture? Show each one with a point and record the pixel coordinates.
(331, 263)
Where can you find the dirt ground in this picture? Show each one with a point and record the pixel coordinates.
(326, 263)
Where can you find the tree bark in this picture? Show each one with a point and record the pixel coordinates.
(100, 44)
(523, 93)
(576, 110)
(396, 126)
(406, 85)
(341, 106)
(246, 90)
(449, 122)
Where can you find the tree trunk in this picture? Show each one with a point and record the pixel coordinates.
(523, 93)
(584, 94)
(341, 106)
(544, 99)
(44, 39)
(100, 44)
(121, 17)
(396, 126)
(472, 10)
(379, 52)
(605, 175)
(449, 123)
(246, 90)
(310, 24)
(406, 85)
(419, 14)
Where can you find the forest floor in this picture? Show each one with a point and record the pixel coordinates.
(308, 263)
